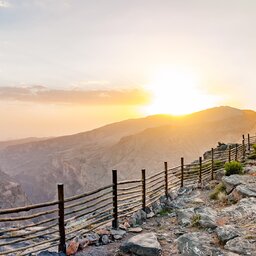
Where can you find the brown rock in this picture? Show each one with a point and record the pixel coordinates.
(72, 247)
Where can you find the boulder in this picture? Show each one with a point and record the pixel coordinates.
(198, 244)
(242, 245)
(142, 245)
(227, 233)
(185, 216)
(208, 217)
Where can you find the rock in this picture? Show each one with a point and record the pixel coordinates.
(150, 215)
(156, 207)
(143, 215)
(198, 244)
(135, 230)
(208, 217)
(242, 245)
(72, 247)
(248, 190)
(94, 251)
(47, 253)
(83, 242)
(102, 232)
(137, 218)
(125, 225)
(93, 238)
(227, 233)
(219, 174)
(185, 216)
(142, 245)
(233, 181)
(105, 239)
(118, 234)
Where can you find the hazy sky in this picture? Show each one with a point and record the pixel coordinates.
(68, 66)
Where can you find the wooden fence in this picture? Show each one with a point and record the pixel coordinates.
(50, 225)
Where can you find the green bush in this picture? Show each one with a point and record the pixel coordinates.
(254, 147)
(233, 167)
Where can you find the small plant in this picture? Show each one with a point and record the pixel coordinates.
(195, 220)
(254, 148)
(164, 212)
(233, 167)
(219, 189)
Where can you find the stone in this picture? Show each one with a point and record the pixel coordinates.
(48, 253)
(226, 233)
(242, 245)
(94, 251)
(135, 230)
(185, 216)
(142, 245)
(208, 217)
(72, 247)
(105, 239)
(93, 238)
(198, 244)
(150, 215)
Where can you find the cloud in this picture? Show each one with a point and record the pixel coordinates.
(4, 4)
(42, 94)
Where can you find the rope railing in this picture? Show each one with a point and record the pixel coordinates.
(61, 220)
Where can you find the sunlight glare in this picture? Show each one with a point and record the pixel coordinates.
(176, 92)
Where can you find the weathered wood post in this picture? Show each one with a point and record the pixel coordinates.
(200, 170)
(115, 206)
(182, 173)
(229, 153)
(212, 170)
(236, 156)
(244, 149)
(166, 178)
(62, 244)
(143, 178)
(249, 143)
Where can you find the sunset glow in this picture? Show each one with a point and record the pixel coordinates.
(176, 92)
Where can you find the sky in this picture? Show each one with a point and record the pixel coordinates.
(67, 66)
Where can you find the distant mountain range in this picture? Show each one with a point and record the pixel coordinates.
(84, 161)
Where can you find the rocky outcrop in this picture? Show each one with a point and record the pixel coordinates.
(142, 245)
(11, 193)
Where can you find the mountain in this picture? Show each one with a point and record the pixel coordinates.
(11, 193)
(84, 161)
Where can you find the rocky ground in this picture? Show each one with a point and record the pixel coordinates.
(188, 223)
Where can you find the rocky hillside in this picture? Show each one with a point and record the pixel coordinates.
(84, 161)
(11, 193)
(188, 223)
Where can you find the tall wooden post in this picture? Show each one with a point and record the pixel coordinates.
(244, 149)
(249, 143)
(229, 153)
(200, 169)
(143, 177)
(62, 244)
(212, 170)
(166, 178)
(182, 173)
(236, 156)
(115, 206)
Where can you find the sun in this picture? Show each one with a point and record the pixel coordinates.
(176, 92)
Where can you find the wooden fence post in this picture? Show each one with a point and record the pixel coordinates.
(200, 169)
(62, 244)
(249, 143)
(182, 173)
(236, 156)
(143, 176)
(244, 149)
(229, 153)
(115, 206)
(166, 178)
(212, 170)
